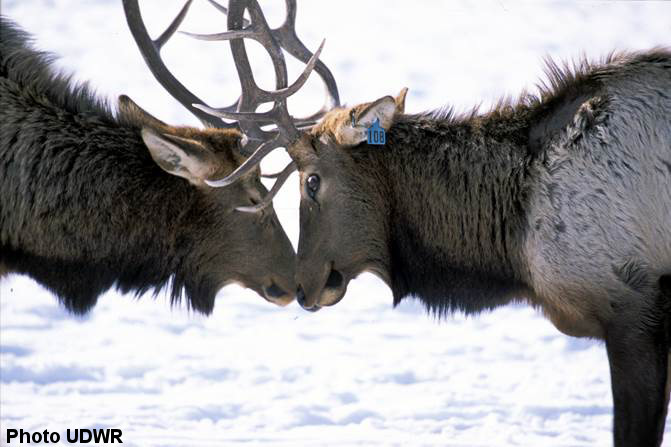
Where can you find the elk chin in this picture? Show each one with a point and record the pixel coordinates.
(272, 292)
(277, 295)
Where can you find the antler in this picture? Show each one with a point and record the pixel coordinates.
(151, 52)
(257, 142)
(274, 41)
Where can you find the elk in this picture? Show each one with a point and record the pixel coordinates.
(561, 199)
(90, 200)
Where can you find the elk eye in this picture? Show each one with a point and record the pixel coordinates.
(312, 185)
(352, 118)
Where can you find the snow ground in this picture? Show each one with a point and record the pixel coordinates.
(360, 373)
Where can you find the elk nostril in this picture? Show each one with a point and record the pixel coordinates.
(334, 280)
(274, 291)
(300, 296)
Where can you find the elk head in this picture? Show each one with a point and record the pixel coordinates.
(343, 214)
(335, 190)
(226, 246)
(257, 252)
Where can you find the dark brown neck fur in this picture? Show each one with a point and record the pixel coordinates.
(456, 208)
(83, 207)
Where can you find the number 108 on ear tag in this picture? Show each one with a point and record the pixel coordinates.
(376, 134)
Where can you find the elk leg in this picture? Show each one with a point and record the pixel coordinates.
(667, 393)
(665, 286)
(638, 353)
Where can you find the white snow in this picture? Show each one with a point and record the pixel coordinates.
(360, 373)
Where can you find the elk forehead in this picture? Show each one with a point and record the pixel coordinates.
(224, 142)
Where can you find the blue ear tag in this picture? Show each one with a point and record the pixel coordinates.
(376, 134)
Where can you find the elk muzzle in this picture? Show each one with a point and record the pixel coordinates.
(320, 289)
(278, 294)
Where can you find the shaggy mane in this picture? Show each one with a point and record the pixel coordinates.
(561, 79)
(32, 69)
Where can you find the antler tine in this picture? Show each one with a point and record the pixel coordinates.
(249, 164)
(225, 112)
(273, 175)
(302, 79)
(288, 39)
(167, 34)
(223, 9)
(268, 199)
(150, 50)
(266, 96)
(226, 35)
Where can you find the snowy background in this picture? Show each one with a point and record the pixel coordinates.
(360, 373)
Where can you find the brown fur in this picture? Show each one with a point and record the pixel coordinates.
(3, 270)
(223, 142)
(91, 200)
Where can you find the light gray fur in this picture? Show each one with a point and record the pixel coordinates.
(604, 199)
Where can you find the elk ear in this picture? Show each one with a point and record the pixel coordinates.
(383, 109)
(354, 131)
(129, 110)
(182, 157)
(400, 100)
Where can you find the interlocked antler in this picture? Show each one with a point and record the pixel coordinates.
(258, 142)
(151, 52)
(252, 96)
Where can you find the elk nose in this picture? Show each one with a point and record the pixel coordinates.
(300, 297)
(276, 294)
(275, 291)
